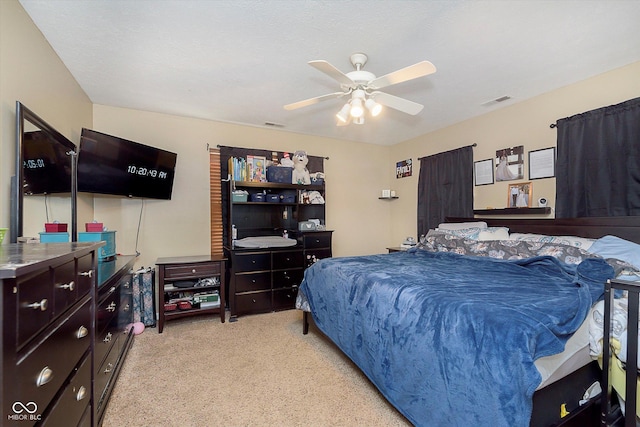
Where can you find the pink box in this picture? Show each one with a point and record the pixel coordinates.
(93, 226)
(55, 227)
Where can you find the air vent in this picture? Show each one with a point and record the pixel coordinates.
(496, 101)
(275, 125)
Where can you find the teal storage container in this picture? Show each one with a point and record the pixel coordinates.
(57, 237)
(107, 251)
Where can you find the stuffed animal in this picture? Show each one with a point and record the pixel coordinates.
(300, 174)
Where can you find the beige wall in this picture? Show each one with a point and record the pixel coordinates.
(523, 123)
(180, 226)
(31, 72)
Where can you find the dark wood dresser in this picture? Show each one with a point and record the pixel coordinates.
(47, 294)
(57, 302)
(264, 280)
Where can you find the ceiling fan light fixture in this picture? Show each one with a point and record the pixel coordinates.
(343, 114)
(356, 108)
(373, 107)
(359, 120)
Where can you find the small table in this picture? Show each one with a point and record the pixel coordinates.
(180, 269)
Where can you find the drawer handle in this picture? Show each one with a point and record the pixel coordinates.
(68, 286)
(111, 307)
(81, 394)
(107, 338)
(42, 305)
(109, 368)
(87, 273)
(253, 261)
(253, 280)
(126, 308)
(82, 332)
(44, 376)
(288, 259)
(193, 270)
(254, 300)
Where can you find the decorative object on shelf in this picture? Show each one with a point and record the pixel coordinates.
(542, 202)
(510, 163)
(483, 172)
(519, 195)
(256, 168)
(301, 174)
(542, 163)
(409, 242)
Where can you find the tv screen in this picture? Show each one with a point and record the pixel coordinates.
(46, 164)
(111, 165)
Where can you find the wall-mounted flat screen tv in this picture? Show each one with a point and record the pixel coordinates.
(111, 165)
(46, 163)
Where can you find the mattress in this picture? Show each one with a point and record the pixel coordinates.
(575, 355)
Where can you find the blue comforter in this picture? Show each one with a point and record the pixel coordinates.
(448, 339)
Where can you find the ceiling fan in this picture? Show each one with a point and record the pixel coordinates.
(362, 89)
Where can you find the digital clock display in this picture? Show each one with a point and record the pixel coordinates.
(112, 165)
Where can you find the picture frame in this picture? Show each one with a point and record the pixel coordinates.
(542, 163)
(483, 172)
(519, 195)
(510, 163)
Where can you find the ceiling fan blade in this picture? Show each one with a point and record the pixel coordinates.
(397, 103)
(414, 71)
(312, 101)
(331, 71)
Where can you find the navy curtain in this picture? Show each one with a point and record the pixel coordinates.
(445, 187)
(598, 164)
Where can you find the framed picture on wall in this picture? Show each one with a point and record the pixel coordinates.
(519, 195)
(542, 163)
(510, 163)
(483, 172)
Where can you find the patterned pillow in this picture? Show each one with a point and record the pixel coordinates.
(467, 233)
(494, 233)
(577, 242)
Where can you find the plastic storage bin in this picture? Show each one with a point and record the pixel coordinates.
(257, 197)
(281, 174)
(107, 251)
(55, 227)
(54, 237)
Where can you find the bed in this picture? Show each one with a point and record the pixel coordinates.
(453, 337)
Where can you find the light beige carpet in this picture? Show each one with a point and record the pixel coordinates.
(258, 371)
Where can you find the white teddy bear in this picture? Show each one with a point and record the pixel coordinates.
(300, 174)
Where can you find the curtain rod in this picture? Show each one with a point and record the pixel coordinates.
(472, 145)
(553, 125)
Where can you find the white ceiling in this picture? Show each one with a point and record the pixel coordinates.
(240, 61)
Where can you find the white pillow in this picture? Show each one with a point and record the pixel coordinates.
(494, 233)
(462, 225)
(575, 241)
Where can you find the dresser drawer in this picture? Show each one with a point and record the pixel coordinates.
(254, 302)
(284, 299)
(84, 278)
(252, 282)
(103, 374)
(186, 271)
(291, 259)
(287, 278)
(71, 405)
(317, 240)
(43, 370)
(35, 305)
(252, 262)
(65, 288)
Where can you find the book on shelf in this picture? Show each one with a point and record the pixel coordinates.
(256, 168)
